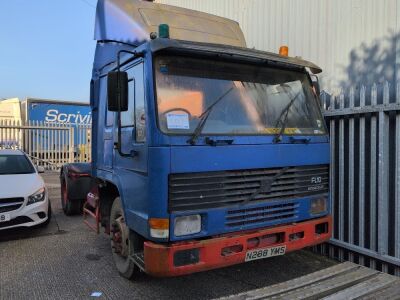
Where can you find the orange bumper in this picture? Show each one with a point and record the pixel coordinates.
(194, 256)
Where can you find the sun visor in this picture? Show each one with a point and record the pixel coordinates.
(132, 21)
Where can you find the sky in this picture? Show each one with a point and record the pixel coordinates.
(46, 48)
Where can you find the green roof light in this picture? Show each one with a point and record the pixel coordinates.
(163, 31)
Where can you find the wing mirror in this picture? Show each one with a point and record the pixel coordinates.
(315, 84)
(40, 169)
(117, 91)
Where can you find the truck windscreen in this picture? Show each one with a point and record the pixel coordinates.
(245, 99)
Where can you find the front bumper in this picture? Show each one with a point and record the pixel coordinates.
(166, 260)
(27, 215)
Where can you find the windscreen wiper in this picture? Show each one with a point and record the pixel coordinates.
(203, 118)
(285, 111)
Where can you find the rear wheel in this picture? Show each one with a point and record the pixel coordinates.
(69, 207)
(122, 242)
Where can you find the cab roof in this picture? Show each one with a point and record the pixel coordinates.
(132, 21)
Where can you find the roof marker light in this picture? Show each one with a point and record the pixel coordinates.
(163, 31)
(284, 51)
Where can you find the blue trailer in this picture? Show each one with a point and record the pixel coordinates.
(47, 112)
(205, 153)
(56, 112)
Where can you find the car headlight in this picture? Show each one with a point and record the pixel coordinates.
(38, 196)
(318, 205)
(187, 225)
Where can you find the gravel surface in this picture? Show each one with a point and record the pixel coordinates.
(68, 261)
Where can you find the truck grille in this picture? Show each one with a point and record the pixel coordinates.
(191, 191)
(270, 213)
(9, 204)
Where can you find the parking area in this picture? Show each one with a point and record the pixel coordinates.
(68, 261)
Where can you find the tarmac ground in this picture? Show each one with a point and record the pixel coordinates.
(66, 260)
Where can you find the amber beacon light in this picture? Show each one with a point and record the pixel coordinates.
(284, 50)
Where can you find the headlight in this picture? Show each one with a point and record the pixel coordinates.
(40, 195)
(187, 225)
(318, 205)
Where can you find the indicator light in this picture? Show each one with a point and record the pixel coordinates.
(159, 228)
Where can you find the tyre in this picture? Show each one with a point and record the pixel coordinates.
(122, 242)
(69, 207)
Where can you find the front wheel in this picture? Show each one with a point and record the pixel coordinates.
(122, 242)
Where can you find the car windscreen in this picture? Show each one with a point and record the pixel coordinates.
(15, 164)
(245, 99)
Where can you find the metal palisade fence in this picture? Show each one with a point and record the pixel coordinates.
(364, 125)
(48, 144)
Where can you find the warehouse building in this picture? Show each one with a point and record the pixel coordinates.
(355, 42)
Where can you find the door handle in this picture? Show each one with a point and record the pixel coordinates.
(132, 153)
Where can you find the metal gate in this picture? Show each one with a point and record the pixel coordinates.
(49, 145)
(364, 129)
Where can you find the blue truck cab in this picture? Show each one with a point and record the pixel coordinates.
(205, 153)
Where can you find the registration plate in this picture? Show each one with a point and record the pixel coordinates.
(4, 217)
(265, 252)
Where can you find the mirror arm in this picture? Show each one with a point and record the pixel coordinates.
(133, 153)
(134, 54)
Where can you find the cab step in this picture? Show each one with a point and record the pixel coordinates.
(138, 259)
(91, 211)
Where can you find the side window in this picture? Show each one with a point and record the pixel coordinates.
(140, 112)
(109, 114)
(136, 114)
(128, 117)
(109, 118)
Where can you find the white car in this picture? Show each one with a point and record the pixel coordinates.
(24, 199)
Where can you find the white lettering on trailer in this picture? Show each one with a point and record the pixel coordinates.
(53, 115)
(80, 119)
(69, 118)
(62, 120)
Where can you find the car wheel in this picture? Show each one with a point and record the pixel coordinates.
(122, 242)
(69, 207)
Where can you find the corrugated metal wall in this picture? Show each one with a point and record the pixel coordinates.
(352, 40)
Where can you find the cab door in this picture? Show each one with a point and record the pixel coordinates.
(104, 122)
(133, 124)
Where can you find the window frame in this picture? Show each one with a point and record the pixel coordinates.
(239, 62)
(139, 62)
